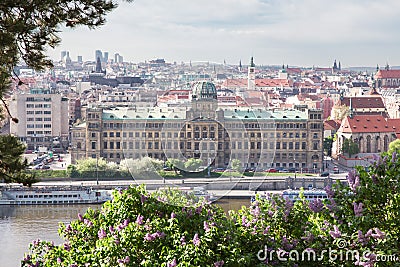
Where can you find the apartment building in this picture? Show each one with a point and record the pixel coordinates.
(43, 119)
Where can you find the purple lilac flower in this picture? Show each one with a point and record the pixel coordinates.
(335, 233)
(111, 229)
(68, 228)
(374, 178)
(143, 198)
(256, 211)
(196, 240)
(149, 237)
(316, 205)
(126, 260)
(172, 263)
(329, 191)
(358, 209)
(139, 220)
(183, 241)
(394, 154)
(199, 209)
(80, 217)
(362, 238)
(87, 222)
(378, 234)
(101, 234)
(332, 205)
(67, 247)
(353, 179)
(173, 215)
(219, 263)
(206, 226)
(59, 260)
(266, 230)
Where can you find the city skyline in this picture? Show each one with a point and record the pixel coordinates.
(296, 33)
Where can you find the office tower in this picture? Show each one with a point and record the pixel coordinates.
(98, 54)
(63, 54)
(105, 58)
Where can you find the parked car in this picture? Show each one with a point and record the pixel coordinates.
(292, 169)
(324, 174)
(271, 170)
(335, 169)
(284, 170)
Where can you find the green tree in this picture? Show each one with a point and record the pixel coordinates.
(27, 30)
(394, 146)
(350, 147)
(175, 164)
(143, 168)
(192, 164)
(236, 165)
(12, 165)
(328, 141)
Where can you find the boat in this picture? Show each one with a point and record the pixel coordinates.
(46, 195)
(309, 195)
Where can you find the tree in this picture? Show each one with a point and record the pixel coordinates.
(236, 165)
(192, 164)
(12, 165)
(350, 147)
(175, 164)
(143, 168)
(27, 30)
(394, 146)
(328, 141)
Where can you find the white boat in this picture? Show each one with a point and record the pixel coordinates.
(52, 195)
(309, 195)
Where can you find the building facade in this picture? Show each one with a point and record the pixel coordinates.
(43, 119)
(258, 138)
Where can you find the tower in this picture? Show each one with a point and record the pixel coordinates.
(251, 76)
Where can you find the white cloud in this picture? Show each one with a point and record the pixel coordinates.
(302, 32)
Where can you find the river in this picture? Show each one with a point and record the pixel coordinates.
(20, 225)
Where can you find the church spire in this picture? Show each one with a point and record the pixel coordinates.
(252, 63)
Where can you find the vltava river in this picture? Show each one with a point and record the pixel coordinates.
(20, 225)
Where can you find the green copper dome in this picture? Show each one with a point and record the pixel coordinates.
(204, 90)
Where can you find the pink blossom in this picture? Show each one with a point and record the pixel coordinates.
(196, 240)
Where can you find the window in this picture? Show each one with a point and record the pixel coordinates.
(111, 134)
(105, 134)
(303, 145)
(105, 145)
(315, 136)
(278, 145)
(118, 134)
(93, 145)
(284, 145)
(118, 145)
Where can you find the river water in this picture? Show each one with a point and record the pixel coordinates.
(20, 225)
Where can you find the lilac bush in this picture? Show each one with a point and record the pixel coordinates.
(357, 225)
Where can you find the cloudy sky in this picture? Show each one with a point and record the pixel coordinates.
(294, 32)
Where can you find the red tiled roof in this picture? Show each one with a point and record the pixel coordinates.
(369, 124)
(363, 102)
(384, 74)
(259, 83)
(332, 124)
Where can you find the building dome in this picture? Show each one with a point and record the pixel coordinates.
(204, 90)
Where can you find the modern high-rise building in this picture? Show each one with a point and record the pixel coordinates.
(98, 54)
(105, 57)
(118, 58)
(63, 54)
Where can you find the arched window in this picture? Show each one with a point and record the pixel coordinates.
(386, 143)
(368, 144)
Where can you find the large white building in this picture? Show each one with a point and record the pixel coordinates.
(43, 119)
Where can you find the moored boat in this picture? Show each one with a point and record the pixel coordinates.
(52, 195)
